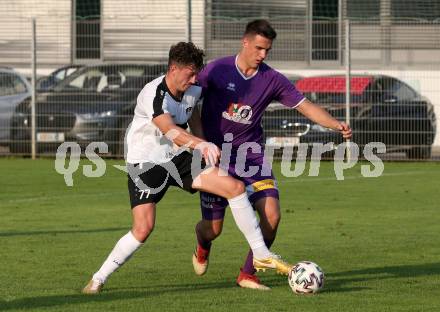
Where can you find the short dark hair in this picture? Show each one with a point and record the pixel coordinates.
(186, 54)
(260, 27)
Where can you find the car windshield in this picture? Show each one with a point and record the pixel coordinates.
(11, 84)
(102, 79)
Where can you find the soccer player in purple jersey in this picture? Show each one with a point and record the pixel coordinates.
(237, 89)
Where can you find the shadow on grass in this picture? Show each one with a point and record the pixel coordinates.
(108, 295)
(65, 300)
(336, 281)
(342, 281)
(56, 232)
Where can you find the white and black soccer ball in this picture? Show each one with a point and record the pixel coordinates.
(306, 277)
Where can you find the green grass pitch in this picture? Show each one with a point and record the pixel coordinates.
(377, 240)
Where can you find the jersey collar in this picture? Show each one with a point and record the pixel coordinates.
(169, 92)
(241, 74)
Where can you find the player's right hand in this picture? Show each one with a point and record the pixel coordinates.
(211, 153)
(345, 130)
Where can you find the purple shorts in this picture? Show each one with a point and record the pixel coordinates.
(261, 183)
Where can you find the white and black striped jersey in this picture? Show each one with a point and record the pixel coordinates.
(145, 142)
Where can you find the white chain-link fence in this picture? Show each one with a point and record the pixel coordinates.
(394, 64)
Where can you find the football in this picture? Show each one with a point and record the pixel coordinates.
(306, 277)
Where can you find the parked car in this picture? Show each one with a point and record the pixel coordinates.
(95, 103)
(14, 88)
(47, 82)
(383, 109)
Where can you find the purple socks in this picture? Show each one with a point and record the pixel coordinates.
(204, 244)
(248, 265)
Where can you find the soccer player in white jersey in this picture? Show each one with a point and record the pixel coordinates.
(158, 157)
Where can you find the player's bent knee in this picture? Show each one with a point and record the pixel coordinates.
(217, 228)
(271, 223)
(212, 228)
(274, 219)
(237, 187)
(142, 233)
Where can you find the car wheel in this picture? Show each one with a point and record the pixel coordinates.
(419, 152)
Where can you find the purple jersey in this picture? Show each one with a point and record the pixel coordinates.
(234, 103)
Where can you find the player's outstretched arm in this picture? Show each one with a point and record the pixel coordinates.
(178, 135)
(320, 116)
(181, 137)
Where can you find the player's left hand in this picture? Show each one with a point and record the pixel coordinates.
(345, 130)
(211, 153)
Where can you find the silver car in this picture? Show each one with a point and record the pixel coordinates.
(14, 88)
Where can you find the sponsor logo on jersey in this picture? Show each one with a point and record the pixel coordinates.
(231, 86)
(189, 110)
(238, 112)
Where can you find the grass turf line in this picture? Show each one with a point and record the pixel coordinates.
(376, 239)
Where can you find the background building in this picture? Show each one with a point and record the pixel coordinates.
(385, 32)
